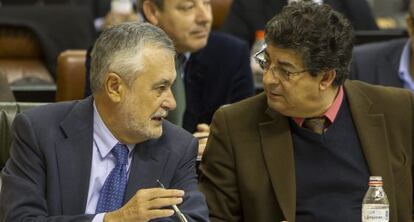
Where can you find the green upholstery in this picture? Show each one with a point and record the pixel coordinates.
(8, 110)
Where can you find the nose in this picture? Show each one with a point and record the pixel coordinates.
(204, 14)
(169, 102)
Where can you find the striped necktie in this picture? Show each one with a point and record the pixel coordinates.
(315, 124)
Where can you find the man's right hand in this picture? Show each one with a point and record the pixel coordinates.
(147, 204)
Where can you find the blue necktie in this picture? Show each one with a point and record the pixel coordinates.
(113, 190)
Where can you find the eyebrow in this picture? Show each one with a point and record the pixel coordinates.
(192, 1)
(163, 82)
(282, 63)
(286, 64)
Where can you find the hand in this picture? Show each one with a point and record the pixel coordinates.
(147, 204)
(203, 130)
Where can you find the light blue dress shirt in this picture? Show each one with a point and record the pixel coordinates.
(102, 162)
(404, 70)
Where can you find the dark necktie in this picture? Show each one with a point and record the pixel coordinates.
(315, 124)
(178, 88)
(112, 192)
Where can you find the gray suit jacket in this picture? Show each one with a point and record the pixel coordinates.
(47, 175)
(378, 63)
(248, 168)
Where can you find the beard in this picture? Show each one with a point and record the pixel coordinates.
(139, 126)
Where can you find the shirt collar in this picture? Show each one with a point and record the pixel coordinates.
(103, 138)
(404, 68)
(333, 110)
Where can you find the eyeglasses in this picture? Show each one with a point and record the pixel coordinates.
(283, 74)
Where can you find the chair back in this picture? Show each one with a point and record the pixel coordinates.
(8, 111)
(220, 10)
(71, 74)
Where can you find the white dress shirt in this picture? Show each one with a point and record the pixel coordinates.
(102, 162)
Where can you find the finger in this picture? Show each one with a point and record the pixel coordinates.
(202, 127)
(160, 213)
(152, 193)
(163, 202)
(201, 135)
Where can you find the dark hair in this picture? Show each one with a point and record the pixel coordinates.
(158, 3)
(322, 37)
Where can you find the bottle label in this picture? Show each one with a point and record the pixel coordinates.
(375, 213)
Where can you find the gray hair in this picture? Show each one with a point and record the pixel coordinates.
(119, 49)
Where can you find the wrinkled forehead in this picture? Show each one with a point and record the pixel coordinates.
(284, 56)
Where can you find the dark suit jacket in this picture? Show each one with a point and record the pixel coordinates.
(216, 75)
(247, 16)
(47, 175)
(378, 63)
(247, 171)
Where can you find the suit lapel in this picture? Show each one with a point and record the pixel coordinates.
(146, 168)
(196, 73)
(74, 157)
(278, 154)
(372, 132)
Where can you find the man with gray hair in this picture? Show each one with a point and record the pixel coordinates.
(107, 157)
(213, 68)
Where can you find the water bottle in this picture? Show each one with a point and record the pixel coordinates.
(121, 6)
(257, 46)
(375, 206)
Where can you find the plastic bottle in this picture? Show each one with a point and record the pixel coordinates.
(375, 205)
(121, 6)
(257, 46)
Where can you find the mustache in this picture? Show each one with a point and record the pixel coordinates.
(160, 114)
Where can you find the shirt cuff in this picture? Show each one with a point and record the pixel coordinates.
(98, 217)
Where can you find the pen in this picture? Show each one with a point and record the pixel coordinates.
(177, 211)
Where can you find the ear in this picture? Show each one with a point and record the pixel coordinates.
(327, 79)
(114, 87)
(151, 12)
(409, 22)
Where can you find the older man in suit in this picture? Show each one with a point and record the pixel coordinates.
(304, 150)
(214, 68)
(99, 159)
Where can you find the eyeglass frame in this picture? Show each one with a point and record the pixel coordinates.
(261, 61)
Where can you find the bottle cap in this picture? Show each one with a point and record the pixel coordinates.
(375, 181)
(121, 7)
(260, 34)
